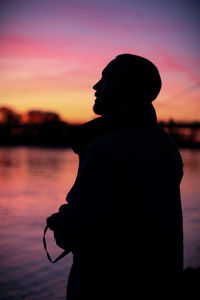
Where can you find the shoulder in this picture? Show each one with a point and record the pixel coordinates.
(103, 145)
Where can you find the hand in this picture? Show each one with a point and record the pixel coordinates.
(51, 221)
(63, 207)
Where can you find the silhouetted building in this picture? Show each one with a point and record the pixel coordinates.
(37, 116)
(9, 117)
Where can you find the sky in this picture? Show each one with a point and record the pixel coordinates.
(52, 52)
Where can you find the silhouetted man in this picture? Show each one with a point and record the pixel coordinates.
(123, 220)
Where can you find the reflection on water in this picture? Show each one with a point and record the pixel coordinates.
(33, 184)
(190, 191)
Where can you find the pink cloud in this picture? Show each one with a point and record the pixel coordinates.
(184, 64)
(16, 46)
(22, 47)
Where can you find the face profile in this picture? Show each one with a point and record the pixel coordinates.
(107, 91)
(128, 79)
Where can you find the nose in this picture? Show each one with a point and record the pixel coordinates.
(96, 86)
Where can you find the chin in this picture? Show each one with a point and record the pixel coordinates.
(102, 107)
(98, 110)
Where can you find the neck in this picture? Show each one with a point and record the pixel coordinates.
(119, 118)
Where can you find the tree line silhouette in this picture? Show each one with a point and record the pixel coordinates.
(43, 128)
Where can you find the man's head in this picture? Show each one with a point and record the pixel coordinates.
(128, 79)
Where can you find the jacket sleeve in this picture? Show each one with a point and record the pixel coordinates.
(90, 201)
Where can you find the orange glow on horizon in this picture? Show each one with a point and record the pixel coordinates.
(52, 66)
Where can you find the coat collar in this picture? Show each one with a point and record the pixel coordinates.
(129, 117)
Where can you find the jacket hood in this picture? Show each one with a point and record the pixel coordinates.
(132, 116)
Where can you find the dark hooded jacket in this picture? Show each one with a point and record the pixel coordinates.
(123, 221)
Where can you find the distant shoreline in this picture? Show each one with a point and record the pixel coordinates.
(46, 129)
(65, 146)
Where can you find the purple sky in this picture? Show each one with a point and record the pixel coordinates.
(52, 52)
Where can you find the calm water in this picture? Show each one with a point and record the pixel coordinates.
(33, 184)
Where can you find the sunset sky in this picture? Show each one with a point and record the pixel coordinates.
(53, 51)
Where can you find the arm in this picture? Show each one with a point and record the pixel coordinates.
(90, 201)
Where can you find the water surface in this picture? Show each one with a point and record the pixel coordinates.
(33, 184)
